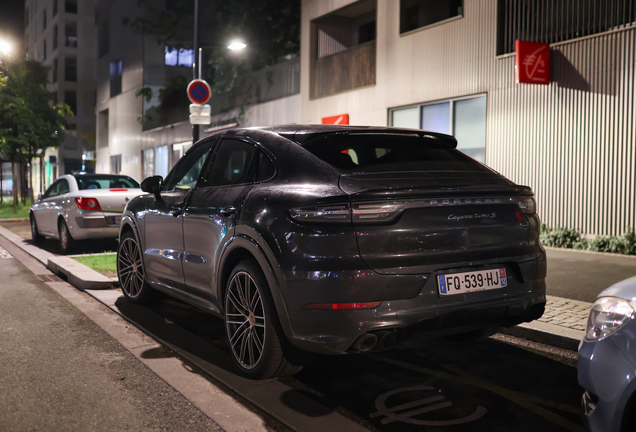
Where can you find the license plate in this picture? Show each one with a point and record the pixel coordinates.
(115, 220)
(461, 283)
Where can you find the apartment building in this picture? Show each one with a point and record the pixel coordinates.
(141, 137)
(61, 35)
(449, 66)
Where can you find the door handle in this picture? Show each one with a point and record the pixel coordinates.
(176, 211)
(228, 211)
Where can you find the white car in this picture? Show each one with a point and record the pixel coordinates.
(82, 206)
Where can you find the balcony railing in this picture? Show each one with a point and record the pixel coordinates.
(346, 70)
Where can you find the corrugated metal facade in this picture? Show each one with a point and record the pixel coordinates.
(572, 141)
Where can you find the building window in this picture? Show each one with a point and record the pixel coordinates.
(70, 6)
(54, 38)
(54, 7)
(179, 57)
(54, 71)
(70, 69)
(44, 50)
(464, 118)
(116, 69)
(415, 14)
(115, 164)
(70, 35)
(44, 20)
(162, 161)
(70, 99)
(148, 166)
(103, 39)
(547, 21)
(102, 129)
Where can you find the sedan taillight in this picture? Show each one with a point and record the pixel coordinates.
(87, 203)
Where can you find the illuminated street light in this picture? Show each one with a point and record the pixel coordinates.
(5, 48)
(236, 46)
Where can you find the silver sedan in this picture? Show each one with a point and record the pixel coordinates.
(82, 206)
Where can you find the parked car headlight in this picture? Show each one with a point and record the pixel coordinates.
(606, 316)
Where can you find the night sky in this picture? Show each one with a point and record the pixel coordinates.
(12, 22)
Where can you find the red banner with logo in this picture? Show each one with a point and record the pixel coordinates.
(533, 62)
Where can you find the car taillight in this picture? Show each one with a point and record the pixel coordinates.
(118, 190)
(322, 214)
(377, 212)
(87, 203)
(527, 205)
(360, 213)
(331, 306)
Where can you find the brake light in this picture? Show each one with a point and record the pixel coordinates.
(331, 306)
(118, 190)
(87, 203)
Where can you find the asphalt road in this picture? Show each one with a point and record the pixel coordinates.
(60, 371)
(497, 384)
(583, 275)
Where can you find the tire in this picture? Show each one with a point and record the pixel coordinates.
(253, 332)
(35, 234)
(130, 271)
(66, 240)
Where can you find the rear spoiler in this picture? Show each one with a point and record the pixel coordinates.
(438, 139)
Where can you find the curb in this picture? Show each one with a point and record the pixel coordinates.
(547, 334)
(78, 275)
(14, 220)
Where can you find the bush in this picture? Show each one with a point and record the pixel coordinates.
(571, 238)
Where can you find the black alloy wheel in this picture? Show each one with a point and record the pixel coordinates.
(67, 242)
(130, 271)
(35, 234)
(251, 325)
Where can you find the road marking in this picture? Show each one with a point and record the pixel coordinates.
(407, 417)
(4, 254)
(518, 398)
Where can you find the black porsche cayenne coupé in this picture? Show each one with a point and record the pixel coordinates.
(335, 240)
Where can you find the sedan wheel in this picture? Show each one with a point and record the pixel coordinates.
(251, 324)
(35, 233)
(67, 243)
(130, 270)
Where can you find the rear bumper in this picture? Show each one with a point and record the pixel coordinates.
(96, 225)
(419, 315)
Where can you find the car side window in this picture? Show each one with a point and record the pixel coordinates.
(231, 164)
(51, 191)
(188, 169)
(63, 188)
(265, 169)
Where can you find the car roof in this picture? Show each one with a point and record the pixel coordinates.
(301, 134)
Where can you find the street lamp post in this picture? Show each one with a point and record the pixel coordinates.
(195, 128)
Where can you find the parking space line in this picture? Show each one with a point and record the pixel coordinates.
(518, 398)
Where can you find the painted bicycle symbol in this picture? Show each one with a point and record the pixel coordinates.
(404, 413)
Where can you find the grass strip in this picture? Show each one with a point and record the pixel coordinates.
(104, 264)
(6, 209)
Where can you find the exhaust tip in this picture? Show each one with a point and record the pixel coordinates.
(388, 339)
(365, 342)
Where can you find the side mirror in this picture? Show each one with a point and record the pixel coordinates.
(152, 185)
(39, 198)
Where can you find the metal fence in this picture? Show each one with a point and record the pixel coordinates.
(551, 21)
(346, 70)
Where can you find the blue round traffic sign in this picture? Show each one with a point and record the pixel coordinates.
(199, 91)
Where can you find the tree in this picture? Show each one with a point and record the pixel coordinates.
(271, 29)
(29, 122)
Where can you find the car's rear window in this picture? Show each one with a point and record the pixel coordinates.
(105, 182)
(386, 153)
